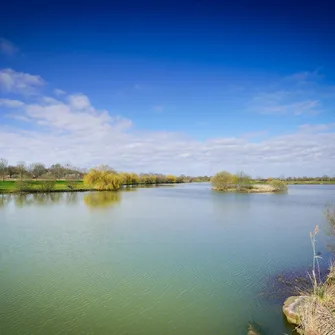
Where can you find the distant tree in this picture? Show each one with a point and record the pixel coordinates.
(278, 185)
(242, 180)
(222, 181)
(12, 171)
(103, 179)
(57, 171)
(3, 168)
(171, 178)
(37, 170)
(21, 169)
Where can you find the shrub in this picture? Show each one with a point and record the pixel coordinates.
(278, 185)
(222, 180)
(71, 184)
(47, 185)
(24, 185)
(106, 180)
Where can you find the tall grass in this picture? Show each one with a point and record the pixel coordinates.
(317, 314)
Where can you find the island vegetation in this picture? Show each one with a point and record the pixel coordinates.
(241, 182)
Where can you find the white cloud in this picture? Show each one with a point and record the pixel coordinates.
(70, 128)
(317, 127)
(7, 48)
(11, 103)
(89, 137)
(79, 101)
(59, 92)
(19, 82)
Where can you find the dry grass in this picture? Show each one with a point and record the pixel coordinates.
(318, 313)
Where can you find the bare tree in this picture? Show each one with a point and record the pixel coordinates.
(3, 168)
(37, 170)
(21, 168)
(57, 170)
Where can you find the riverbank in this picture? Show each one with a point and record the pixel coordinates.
(10, 187)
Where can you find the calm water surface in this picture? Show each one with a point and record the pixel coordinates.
(152, 261)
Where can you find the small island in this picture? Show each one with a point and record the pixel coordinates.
(241, 182)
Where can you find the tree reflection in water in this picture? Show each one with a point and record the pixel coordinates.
(103, 199)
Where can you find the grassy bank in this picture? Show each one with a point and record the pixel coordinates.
(311, 182)
(10, 186)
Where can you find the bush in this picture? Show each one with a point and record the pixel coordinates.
(71, 184)
(106, 180)
(24, 185)
(278, 185)
(47, 185)
(222, 180)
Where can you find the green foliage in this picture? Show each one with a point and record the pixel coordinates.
(71, 184)
(223, 181)
(242, 181)
(278, 185)
(47, 185)
(24, 185)
(103, 179)
(171, 178)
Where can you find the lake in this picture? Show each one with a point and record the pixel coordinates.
(153, 261)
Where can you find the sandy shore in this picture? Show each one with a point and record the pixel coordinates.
(256, 188)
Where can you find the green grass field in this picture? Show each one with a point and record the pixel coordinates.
(9, 186)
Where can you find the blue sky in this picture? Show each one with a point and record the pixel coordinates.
(188, 87)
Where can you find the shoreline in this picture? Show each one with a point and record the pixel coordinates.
(256, 188)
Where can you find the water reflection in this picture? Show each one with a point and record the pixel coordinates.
(129, 189)
(102, 199)
(40, 199)
(4, 199)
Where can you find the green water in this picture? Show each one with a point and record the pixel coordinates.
(170, 260)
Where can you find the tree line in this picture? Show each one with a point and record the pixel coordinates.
(38, 171)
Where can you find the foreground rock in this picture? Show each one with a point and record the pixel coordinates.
(294, 307)
(311, 314)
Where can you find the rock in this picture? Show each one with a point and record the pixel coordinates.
(293, 308)
(252, 330)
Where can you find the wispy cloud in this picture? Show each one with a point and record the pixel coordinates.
(58, 92)
(302, 93)
(317, 127)
(11, 103)
(8, 48)
(19, 82)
